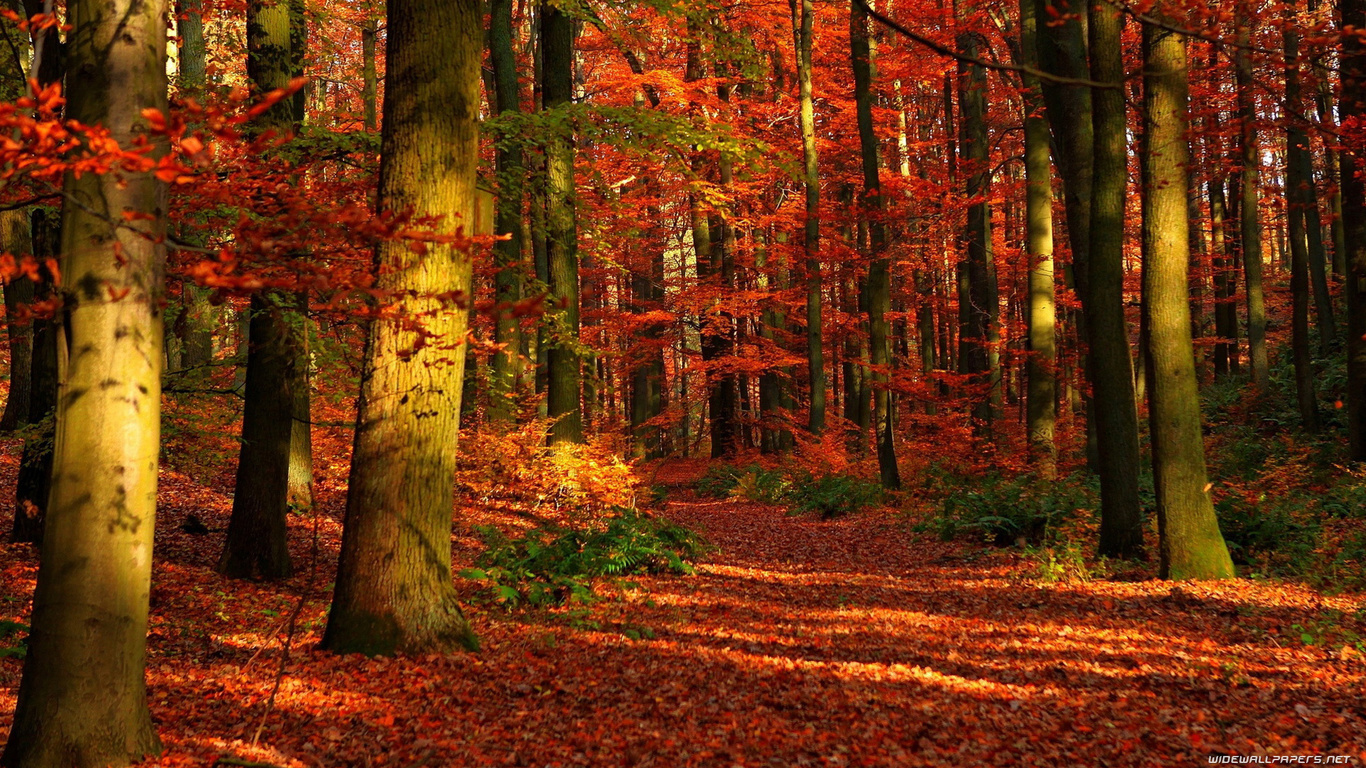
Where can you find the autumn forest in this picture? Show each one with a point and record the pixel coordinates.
(688, 383)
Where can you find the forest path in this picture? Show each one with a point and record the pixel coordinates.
(799, 642)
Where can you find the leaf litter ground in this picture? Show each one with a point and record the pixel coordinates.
(799, 642)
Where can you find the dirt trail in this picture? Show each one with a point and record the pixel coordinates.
(800, 642)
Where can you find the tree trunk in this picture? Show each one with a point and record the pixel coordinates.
(563, 365)
(1112, 377)
(1353, 107)
(803, 18)
(879, 271)
(394, 591)
(1225, 306)
(1297, 200)
(15, 239)
(83, 700)
(506, 363)
(34, 483)
(1041, 397)
(975, 313)
(1191, 546)
(1250, 206)
(256, 544)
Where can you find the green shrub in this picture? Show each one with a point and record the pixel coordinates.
(834, 495)
(1006, 511)
(1269, 535)
(11, 645)
(718, 482)
(766, 486)
(546, 567)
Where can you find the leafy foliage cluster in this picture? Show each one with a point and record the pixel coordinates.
(551, 567)
(1014, 510)
(831, 495)
(570, 483)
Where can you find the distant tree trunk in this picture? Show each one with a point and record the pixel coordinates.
(1041, 397)
(394, 591)
(879, 271)
(369, 76)
(564, 368)
(198, 318)
(82, 700)
(15, 239)
(803, 16)
(506, 363)
(256, 544)
(1318, 256)
(35, 465)
(1062, 52)
(1112, 376)
(1225, 307)
(1297, 201)
(300, 491)
(976, 314)
(1353, 107)
(1250, 204)
(1191, 546)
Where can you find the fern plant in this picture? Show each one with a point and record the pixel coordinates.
(553, 567)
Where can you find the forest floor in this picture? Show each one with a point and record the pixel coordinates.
(799, 642)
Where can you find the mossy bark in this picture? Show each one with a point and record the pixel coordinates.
(564, 365)
(1191, 546)
(82, 700)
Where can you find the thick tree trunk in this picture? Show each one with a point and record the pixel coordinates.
(1191, 546)
(1353, 107)
(563, 365)
(1112, 377)
(1041, 397)
(394, 591)
(82, 700)
(1250, 207)
(879, 271)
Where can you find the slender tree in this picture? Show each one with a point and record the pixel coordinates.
(1191, 546)
(1112, 375)
(257, 543)
(1297, 201)
(976, 295)
(564, 383)
(803, 19)
(1041, 405)
(394, 590)
(82, 699)
(1250, 204)
(506, 362)
(879, 271)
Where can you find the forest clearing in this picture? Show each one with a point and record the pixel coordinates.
(570, 382)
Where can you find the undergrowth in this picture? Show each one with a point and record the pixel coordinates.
(545, 567)
(830, 495)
